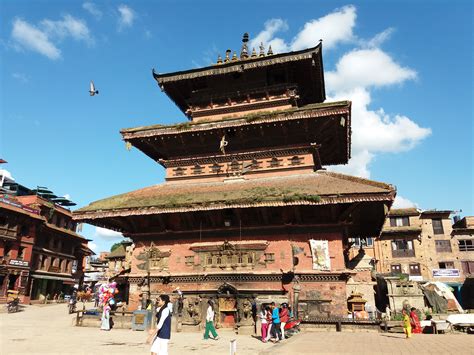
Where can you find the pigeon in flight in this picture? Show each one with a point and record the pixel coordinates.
(92, 90)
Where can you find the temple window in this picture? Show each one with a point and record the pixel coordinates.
(256, 164)
(234, 166)
(197, 169)
(21, 253)
(296, 160)
(218, 260)
(24, 230)
(189, 260)
(249, 259)
(179, 171)
(209, 260)
(216, 168)
(274, 163)
(240, 259)
(415, 269)
(269, 257)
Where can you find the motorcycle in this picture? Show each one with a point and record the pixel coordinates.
(292, 327)
(13, 305)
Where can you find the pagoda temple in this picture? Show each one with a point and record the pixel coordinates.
(248, 213)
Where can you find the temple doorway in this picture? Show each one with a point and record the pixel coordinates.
(227, 306)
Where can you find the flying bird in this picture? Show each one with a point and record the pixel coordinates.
(92, 90)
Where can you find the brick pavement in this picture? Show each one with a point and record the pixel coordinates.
(49, 330)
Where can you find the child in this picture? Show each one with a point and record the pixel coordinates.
(406, 324)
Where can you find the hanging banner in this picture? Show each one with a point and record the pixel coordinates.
(320, 253)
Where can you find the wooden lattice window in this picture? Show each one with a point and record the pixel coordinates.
(197, 169)
(216, 168)
(234, 166)
(256, 164)
(189, 260)
(269, 257)
(275, 162)
(296, 160)
(179, 171)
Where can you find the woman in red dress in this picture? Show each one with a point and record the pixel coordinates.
(415, 322)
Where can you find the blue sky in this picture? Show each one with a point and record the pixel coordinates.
(406, 65)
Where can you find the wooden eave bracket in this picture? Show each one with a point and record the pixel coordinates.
(316, 157)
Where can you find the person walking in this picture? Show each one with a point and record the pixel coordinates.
(406, 324)
(163, 327)
(284, 317)
(263, 320)
(210, 322)
(105, 325)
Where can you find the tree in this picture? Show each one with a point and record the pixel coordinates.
(115, 246)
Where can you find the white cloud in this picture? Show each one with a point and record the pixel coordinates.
(67, 27)
(378, 39)
(266, 36)
(333, 28)
(367, 68)
(21, 77)
(401, 202)
(67, 196)
(127, 16)
(92, 246)
(92, 9)
(27, 36)
(44, 38)
(107, 233)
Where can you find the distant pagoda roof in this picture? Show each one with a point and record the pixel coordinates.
(302, 70)
(319, 188)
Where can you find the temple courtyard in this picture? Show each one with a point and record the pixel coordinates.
(48, 330)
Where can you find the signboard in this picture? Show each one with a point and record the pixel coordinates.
(445, 272)
(18, 262)
(19, 205)
(320, 254)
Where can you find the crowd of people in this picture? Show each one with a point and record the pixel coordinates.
(273, 320)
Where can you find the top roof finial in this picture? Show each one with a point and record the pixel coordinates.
(262, 50)
(244, 53)
(270, 50)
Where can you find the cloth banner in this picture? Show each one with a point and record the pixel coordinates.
(320, 253)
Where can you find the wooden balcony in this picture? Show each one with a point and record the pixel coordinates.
(403, 253)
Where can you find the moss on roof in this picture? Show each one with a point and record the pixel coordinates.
(308, 187)
(251, 117)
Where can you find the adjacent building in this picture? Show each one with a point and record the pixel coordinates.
(41, 255)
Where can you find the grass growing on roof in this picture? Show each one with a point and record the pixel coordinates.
(189, 199)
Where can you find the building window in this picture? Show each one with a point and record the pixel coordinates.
(179, 171)
(467, 267)
(402, 248)
(370, 241)
(296, 160)
(256, 164)
(443, 246)
(399, 221)
(218, 260)
(189, 260)
(466, 245)
(21, 253)
(197, 169)
(415, 269)
(269, 257)
(234, 166)
(437, 226)
(446, 265)
(274, 163)
(396, 268)
(24, 230)
(216, 168)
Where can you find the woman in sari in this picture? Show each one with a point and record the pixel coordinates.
(415, 321)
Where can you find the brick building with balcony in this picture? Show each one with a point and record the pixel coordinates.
(41, 254)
